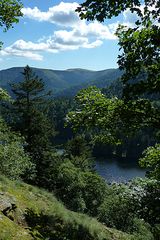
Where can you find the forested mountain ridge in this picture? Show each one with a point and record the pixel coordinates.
(62, 82)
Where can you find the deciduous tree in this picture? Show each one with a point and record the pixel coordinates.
(10, 12)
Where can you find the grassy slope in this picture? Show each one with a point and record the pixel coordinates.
(46, 218)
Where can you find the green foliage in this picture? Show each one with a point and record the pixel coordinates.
(132, 208)
(100, 10)
(48, 170)
(86, 189)
(46, 218)
(146, 196)
(94, 192)
(97, 114)
(140, 63)
(117, 210)
(77, 147)
(140, 60)
(4, 95)
(10, 12)
(79, 152)
(14, 162)
(141, 230)
(31, 108)
(151, 160)
(109, 120)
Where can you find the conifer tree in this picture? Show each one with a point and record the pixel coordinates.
(31, 106)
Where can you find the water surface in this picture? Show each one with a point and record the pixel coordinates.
(119, 170)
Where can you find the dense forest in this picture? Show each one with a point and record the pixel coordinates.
(52, 194)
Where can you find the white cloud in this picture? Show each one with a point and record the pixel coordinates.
(72, 35)
(28, 46)
(130, 18)
(113, 27)
(63, 14)
(60, 41)
(94, 44)
(94, 30)
(22, 49)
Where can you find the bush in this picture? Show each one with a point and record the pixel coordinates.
(86, 189)
(151, 160)
(117, 211)
(121, 210)
(48, 170)
(146, 195)
(14, 162)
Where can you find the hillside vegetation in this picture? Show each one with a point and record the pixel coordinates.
(65, 82)
(27, 212)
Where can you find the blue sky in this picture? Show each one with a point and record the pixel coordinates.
(51, 35)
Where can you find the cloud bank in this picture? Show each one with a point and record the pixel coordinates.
(73, 33)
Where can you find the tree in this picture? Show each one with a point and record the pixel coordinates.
(10, 11)
(31, 108)
(151, 160)
(98, 115)
(14, 162)
(79, 152)
(140, 62)
(102, 9)
(140, 44)
(86, 189)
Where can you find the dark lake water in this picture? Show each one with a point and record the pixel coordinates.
(119, 170)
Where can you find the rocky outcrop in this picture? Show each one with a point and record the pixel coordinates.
(7, 204)
(9, 208)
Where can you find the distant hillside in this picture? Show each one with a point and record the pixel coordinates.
(66, 82)
(102, 79)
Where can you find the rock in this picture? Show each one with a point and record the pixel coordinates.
(7, 204)
(9, 209)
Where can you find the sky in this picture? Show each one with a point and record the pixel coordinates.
(51, 35)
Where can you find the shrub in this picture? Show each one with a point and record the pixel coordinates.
(14, 162)
(146, 194)
(86, 189)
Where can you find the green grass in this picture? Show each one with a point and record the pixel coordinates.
(46, 218)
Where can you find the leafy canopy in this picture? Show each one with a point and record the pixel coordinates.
(101, 9)
(140, 63)
(14, 162)
(108, 120)
(140, 45)
(151, 159)
(97, 114)
(10, 12)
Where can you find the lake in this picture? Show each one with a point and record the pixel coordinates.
(116, 169)
(119, 170)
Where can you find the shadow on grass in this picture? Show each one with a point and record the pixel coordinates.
(50, 227)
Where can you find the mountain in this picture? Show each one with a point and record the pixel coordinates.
(101, 79)
(62, 82)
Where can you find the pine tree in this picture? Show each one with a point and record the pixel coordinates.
(31, 106)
